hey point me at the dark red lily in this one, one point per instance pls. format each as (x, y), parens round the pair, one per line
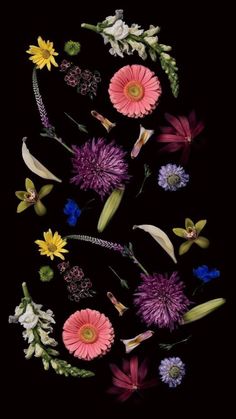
(131, 379)
(180, 134)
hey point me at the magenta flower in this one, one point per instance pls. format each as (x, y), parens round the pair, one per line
(160, 300)
(132, 379)
(99, 166)
(180, 134)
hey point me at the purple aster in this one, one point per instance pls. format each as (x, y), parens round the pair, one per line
(172, 371)
(99, 166)
(160, 300)
(172, 177)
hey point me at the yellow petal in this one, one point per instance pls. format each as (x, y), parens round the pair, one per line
(42, 43)
(49, 65)
(52, 59)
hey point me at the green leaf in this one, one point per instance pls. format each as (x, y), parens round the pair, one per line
(202, 310)
(200, 225)
(29, 184)
(23, 206)
(181, 232)
(39, 208)
(111, 206)
(202, 242)
(188, 223)
(20, 194)
(184, 247)
(45, 190)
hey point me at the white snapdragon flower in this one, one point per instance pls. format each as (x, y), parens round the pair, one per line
(45, 339)
(29, 319)
(110, 20)
(139, 47)
(153, 30)
(151, 40)
(135, 30)
(116, 49)
(38, 350)
(29, 351)
(28, 334)
(119, 30)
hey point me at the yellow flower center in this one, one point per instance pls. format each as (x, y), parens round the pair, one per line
(174, 371)
(134, 91)
(45, 53)
(52, 247)
(88, 333)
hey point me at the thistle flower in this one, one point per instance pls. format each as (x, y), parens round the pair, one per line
(32, 197)
(172, 177)
(191, 234)
(180, 134)
(99, 166)
(126, 40)
(160, 300)
(172, 371)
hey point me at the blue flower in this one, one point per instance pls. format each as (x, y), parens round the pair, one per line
(73, 211)
(172, 177)
(205, 274)
(172, 371)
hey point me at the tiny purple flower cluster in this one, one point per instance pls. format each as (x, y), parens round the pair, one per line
(78, 286)
(85, 81)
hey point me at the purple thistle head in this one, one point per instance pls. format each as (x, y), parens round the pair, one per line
(160, 300)
(99, 166)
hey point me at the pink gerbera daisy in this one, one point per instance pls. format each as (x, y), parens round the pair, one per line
(88, 334)
(134, 91)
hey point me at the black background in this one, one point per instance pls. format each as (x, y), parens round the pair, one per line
(200, 40)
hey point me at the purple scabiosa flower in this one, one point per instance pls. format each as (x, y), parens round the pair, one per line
(172, 177)
(205, 274)
(99, 166)
(160, 300)
(172, 371)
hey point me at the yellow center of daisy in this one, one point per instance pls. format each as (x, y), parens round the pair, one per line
(88, 333)
(134, 90)
(52, 247)
(45, 54)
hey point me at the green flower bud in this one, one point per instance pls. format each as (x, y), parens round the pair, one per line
(46, 273)
(72, 47)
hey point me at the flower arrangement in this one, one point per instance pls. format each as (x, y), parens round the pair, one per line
(102, 167)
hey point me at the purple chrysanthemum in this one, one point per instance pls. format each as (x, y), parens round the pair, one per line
(172, 177)
(99, 166)
(172, 371)
(160, 300)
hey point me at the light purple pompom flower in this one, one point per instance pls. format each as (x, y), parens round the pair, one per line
(99, 166)
(172, 177)
(172, 371)
(161, 300)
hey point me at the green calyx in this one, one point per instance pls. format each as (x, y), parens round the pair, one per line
(46, 273)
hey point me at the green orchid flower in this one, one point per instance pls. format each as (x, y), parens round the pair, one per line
(32, 197)
(191, 234)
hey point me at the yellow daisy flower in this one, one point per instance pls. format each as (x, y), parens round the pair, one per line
(52, 246)
(43, 54)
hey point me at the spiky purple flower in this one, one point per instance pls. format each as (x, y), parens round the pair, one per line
(172, 371)
(99, 166)
(160, 300)
(39, 101)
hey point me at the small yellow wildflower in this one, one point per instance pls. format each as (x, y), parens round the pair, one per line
(43, 54)
(52, 246)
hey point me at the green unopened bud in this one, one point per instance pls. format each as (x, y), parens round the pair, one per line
(46, 273)
(45, 364)
(202, 310)
(72, 47)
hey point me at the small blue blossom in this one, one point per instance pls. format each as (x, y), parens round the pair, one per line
(73, 211)
(172, 371)
(172, 177)
(205, 274)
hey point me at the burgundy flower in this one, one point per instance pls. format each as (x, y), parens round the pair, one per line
(99, 166)
(132, 379)
(180, 134)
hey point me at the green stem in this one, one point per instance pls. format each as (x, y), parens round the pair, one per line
(136, 261)
(25, 291)
(90, 27)
(59, 140)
